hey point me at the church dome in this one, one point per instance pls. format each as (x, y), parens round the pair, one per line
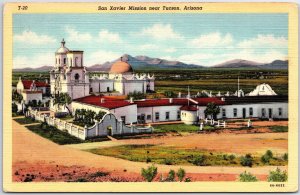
(121, 67)
(62, 49)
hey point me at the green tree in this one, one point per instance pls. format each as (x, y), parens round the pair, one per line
(285, 156)
(16, 96)
(267, 157)
(247, 160)
(99, 115)
(212, 109)
(14, 108)
(180, 174)
(247, 177)
(149, 173)
(277, 176)
(170, 94)
(63, 99)
(136, 95)
(171, 176)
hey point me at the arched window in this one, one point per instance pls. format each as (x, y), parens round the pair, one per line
(64, 60)
(76, 76)
(76, 61)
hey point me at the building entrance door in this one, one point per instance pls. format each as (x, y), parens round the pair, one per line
(244, 112)
(270, 113)
(107, 89)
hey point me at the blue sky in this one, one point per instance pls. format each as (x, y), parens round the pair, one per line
(204, 39)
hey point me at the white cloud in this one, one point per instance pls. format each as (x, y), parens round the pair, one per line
(148, 47)
(76, 36)
(33, 38)
(34, 61)
(170, 50)
(195, 58)
(212, 40)
(100, 57)
(106, 36)
(264, 41)
(161, 32)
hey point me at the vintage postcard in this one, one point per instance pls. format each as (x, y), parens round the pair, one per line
(150, 97)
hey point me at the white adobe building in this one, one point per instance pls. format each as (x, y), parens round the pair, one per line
(32, 90)
(262, 89)
(69, 75)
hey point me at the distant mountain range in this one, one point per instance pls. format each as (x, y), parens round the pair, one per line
(145, 62)
(239, 63)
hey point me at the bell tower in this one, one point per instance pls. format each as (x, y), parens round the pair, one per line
(69, 75)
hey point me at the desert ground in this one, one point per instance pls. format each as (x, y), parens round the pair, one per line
(38, 159)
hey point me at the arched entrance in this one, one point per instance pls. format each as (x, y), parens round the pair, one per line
(109, 130)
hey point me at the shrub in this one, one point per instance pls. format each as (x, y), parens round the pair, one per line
(247, 160)
(148, 160)
(168, 161)
(171, 176)
(100, 174)
(199, 160)
(247, 177)
(14, 108)
(285, 157)
(231, 157)
(187, 179)
(180, 174)
(267, 157)
(149, 173)
(277, 176)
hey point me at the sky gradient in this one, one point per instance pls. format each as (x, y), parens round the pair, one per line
(203, 39)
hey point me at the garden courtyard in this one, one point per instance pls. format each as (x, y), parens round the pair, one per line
(216, 154)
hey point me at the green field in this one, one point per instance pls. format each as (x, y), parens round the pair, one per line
(177, 156)
(178, 128)
(209, 79)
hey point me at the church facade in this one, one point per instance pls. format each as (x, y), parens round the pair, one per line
(69, 75)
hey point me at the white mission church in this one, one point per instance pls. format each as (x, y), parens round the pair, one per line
(69, 75)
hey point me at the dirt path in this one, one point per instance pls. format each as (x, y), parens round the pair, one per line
(31, 148)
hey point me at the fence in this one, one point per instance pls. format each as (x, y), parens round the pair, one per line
(108, 125)
(218, 123)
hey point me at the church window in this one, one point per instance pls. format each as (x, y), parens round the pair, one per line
(280, 111)
(65, 60)
(167, 115)
(223, 112)
(235, 112)
(91, 90)
(65, 77)
(148, 117)
(76, 61)
(250, 111)
(76, 76)
(178, 114)
(157, 116)
(263, 112)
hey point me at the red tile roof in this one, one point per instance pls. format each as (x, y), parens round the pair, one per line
(189, 108)
(27, 84)
(31, 92)
(177, 101)
(111, 102)
(108, 103)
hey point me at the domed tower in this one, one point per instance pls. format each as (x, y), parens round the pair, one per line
(61, 55)
(69, 75)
